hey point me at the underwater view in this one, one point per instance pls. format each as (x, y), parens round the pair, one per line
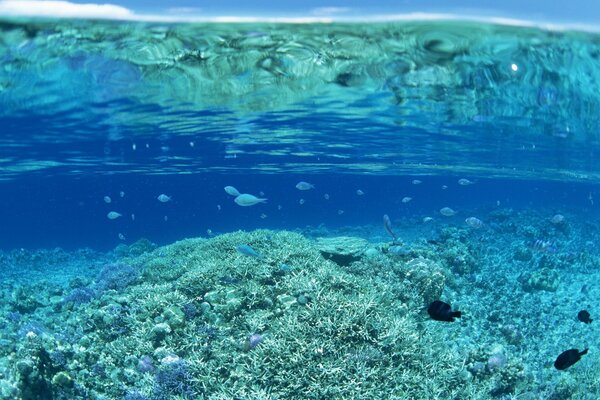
(401, 209)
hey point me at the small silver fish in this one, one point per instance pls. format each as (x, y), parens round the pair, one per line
(304, 186)
(247, 200)
(230, 190)
(113, 215)
(416, 182)
(447, 212)
(163, 198)
(465, 182)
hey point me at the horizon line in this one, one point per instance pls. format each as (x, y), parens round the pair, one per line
(60, 9)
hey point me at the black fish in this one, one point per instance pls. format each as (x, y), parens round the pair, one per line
(440, 311)
(584, 317)
(568, 358)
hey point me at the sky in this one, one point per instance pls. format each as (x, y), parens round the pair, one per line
(582, 12)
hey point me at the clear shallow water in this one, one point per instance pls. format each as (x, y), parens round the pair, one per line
(400, 98)
(93, 109)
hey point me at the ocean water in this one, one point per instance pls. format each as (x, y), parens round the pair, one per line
(306, 295)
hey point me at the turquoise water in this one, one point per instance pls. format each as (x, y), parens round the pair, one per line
(130, 273)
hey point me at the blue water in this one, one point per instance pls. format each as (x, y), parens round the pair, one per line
(70, 213)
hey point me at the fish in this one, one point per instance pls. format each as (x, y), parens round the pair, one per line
(230, 190)
(427, 219)
(247, 251)
(584, 316)
(107, 199)
(406, 199)
(359, 192)
(387, 224)
(416, 182)
(568, 358)
(121, 236)
(122, 194)
(465, 182)
(440, 311)
(301, 201)
(113, 215)
(447, 212)
(163, 198)
(557, 219)
(246, 200)
(543, 246)
(474, 223)
(304, 186)
(326, 196)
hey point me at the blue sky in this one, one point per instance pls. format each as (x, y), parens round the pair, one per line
(585, 12)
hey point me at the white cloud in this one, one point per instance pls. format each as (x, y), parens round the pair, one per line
(184, 10)
(330, 10)
(63, 9)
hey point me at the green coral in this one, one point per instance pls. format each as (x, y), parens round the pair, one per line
(544, 279)
(326, 330)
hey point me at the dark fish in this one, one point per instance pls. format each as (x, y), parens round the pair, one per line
(387, 224)
(568, 358)
(440, 311)
(584, 317)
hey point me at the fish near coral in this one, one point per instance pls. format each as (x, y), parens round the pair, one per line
(440, 311)
(584, 316)
(568, 358)
(474, 223)
(387, 224)
(247, 251)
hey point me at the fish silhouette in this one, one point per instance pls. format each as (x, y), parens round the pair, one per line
(440, 311)
(387, 224)
(568, 358)
(584, 316)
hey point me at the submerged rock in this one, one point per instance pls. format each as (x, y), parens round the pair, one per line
(342, 250)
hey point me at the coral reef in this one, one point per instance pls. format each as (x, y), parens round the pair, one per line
(203, 320)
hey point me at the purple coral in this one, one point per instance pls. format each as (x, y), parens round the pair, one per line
(116, 277)
(79, 296)
(145, 364)
(173, 379)
(496, 362)
(254, 340)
